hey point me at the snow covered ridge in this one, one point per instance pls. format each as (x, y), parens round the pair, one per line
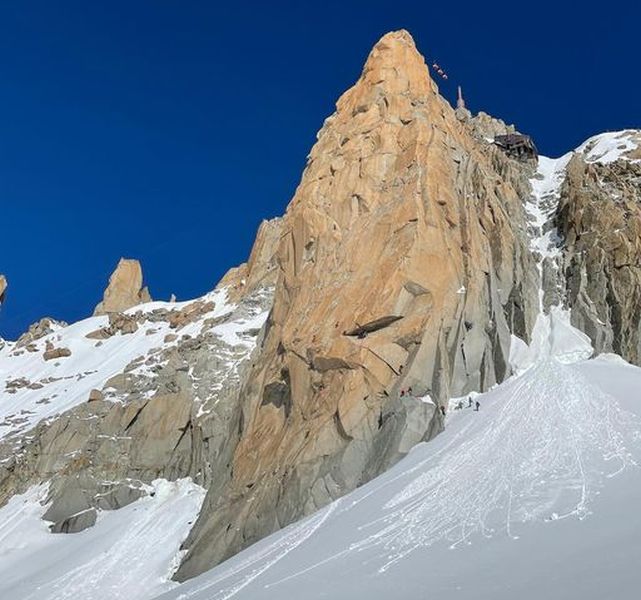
(130, 553)
(604, 148)
(609, 147)
(57, 372)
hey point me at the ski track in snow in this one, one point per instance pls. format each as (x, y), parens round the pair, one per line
(229, 581)
(542, 454)
(129, 553)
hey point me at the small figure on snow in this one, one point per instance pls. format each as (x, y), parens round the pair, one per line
(478, 405)
(442, 409)
(469, 402)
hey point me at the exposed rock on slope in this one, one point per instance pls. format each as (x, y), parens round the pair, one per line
(261, 270)
(401, 212)
(125, 288)
(3, 288)
(37, 331)
(160, 400)
(599, 221)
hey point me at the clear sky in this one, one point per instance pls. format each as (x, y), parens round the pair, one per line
(166, 130)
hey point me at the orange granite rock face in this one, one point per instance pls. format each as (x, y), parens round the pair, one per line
(408, 232)
(125, 288)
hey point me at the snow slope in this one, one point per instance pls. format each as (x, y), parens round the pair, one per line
(129, 553)
(609, 147)
(536, 495)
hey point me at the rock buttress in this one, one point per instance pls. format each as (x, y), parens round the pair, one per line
(599, 219)
(403, 218)
(125, 288)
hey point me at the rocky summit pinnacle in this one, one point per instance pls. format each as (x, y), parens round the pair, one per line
(402, 265)
(125, 288)
(3, 287)
(395, 64)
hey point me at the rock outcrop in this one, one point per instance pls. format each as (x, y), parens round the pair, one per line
(38, 330)
(261, 270)
(3, 287)
(125, 288)
(402, 218)
(599, 221)
(171, 412)
(52, 352)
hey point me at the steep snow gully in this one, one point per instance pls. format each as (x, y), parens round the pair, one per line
(535, 495)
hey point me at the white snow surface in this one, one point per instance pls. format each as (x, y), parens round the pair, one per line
(609, 147)
(130, 553)
(546, 188)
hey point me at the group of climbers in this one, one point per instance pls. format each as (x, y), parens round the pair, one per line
(475, 404)
(459, 406)
(470, 402)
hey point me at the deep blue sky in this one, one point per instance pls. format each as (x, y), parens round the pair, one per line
(166, 130)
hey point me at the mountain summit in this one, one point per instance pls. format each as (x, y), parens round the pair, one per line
(428, 255)
(402, 265)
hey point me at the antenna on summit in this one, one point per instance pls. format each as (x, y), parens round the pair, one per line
(462, 113)
(460, 103)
